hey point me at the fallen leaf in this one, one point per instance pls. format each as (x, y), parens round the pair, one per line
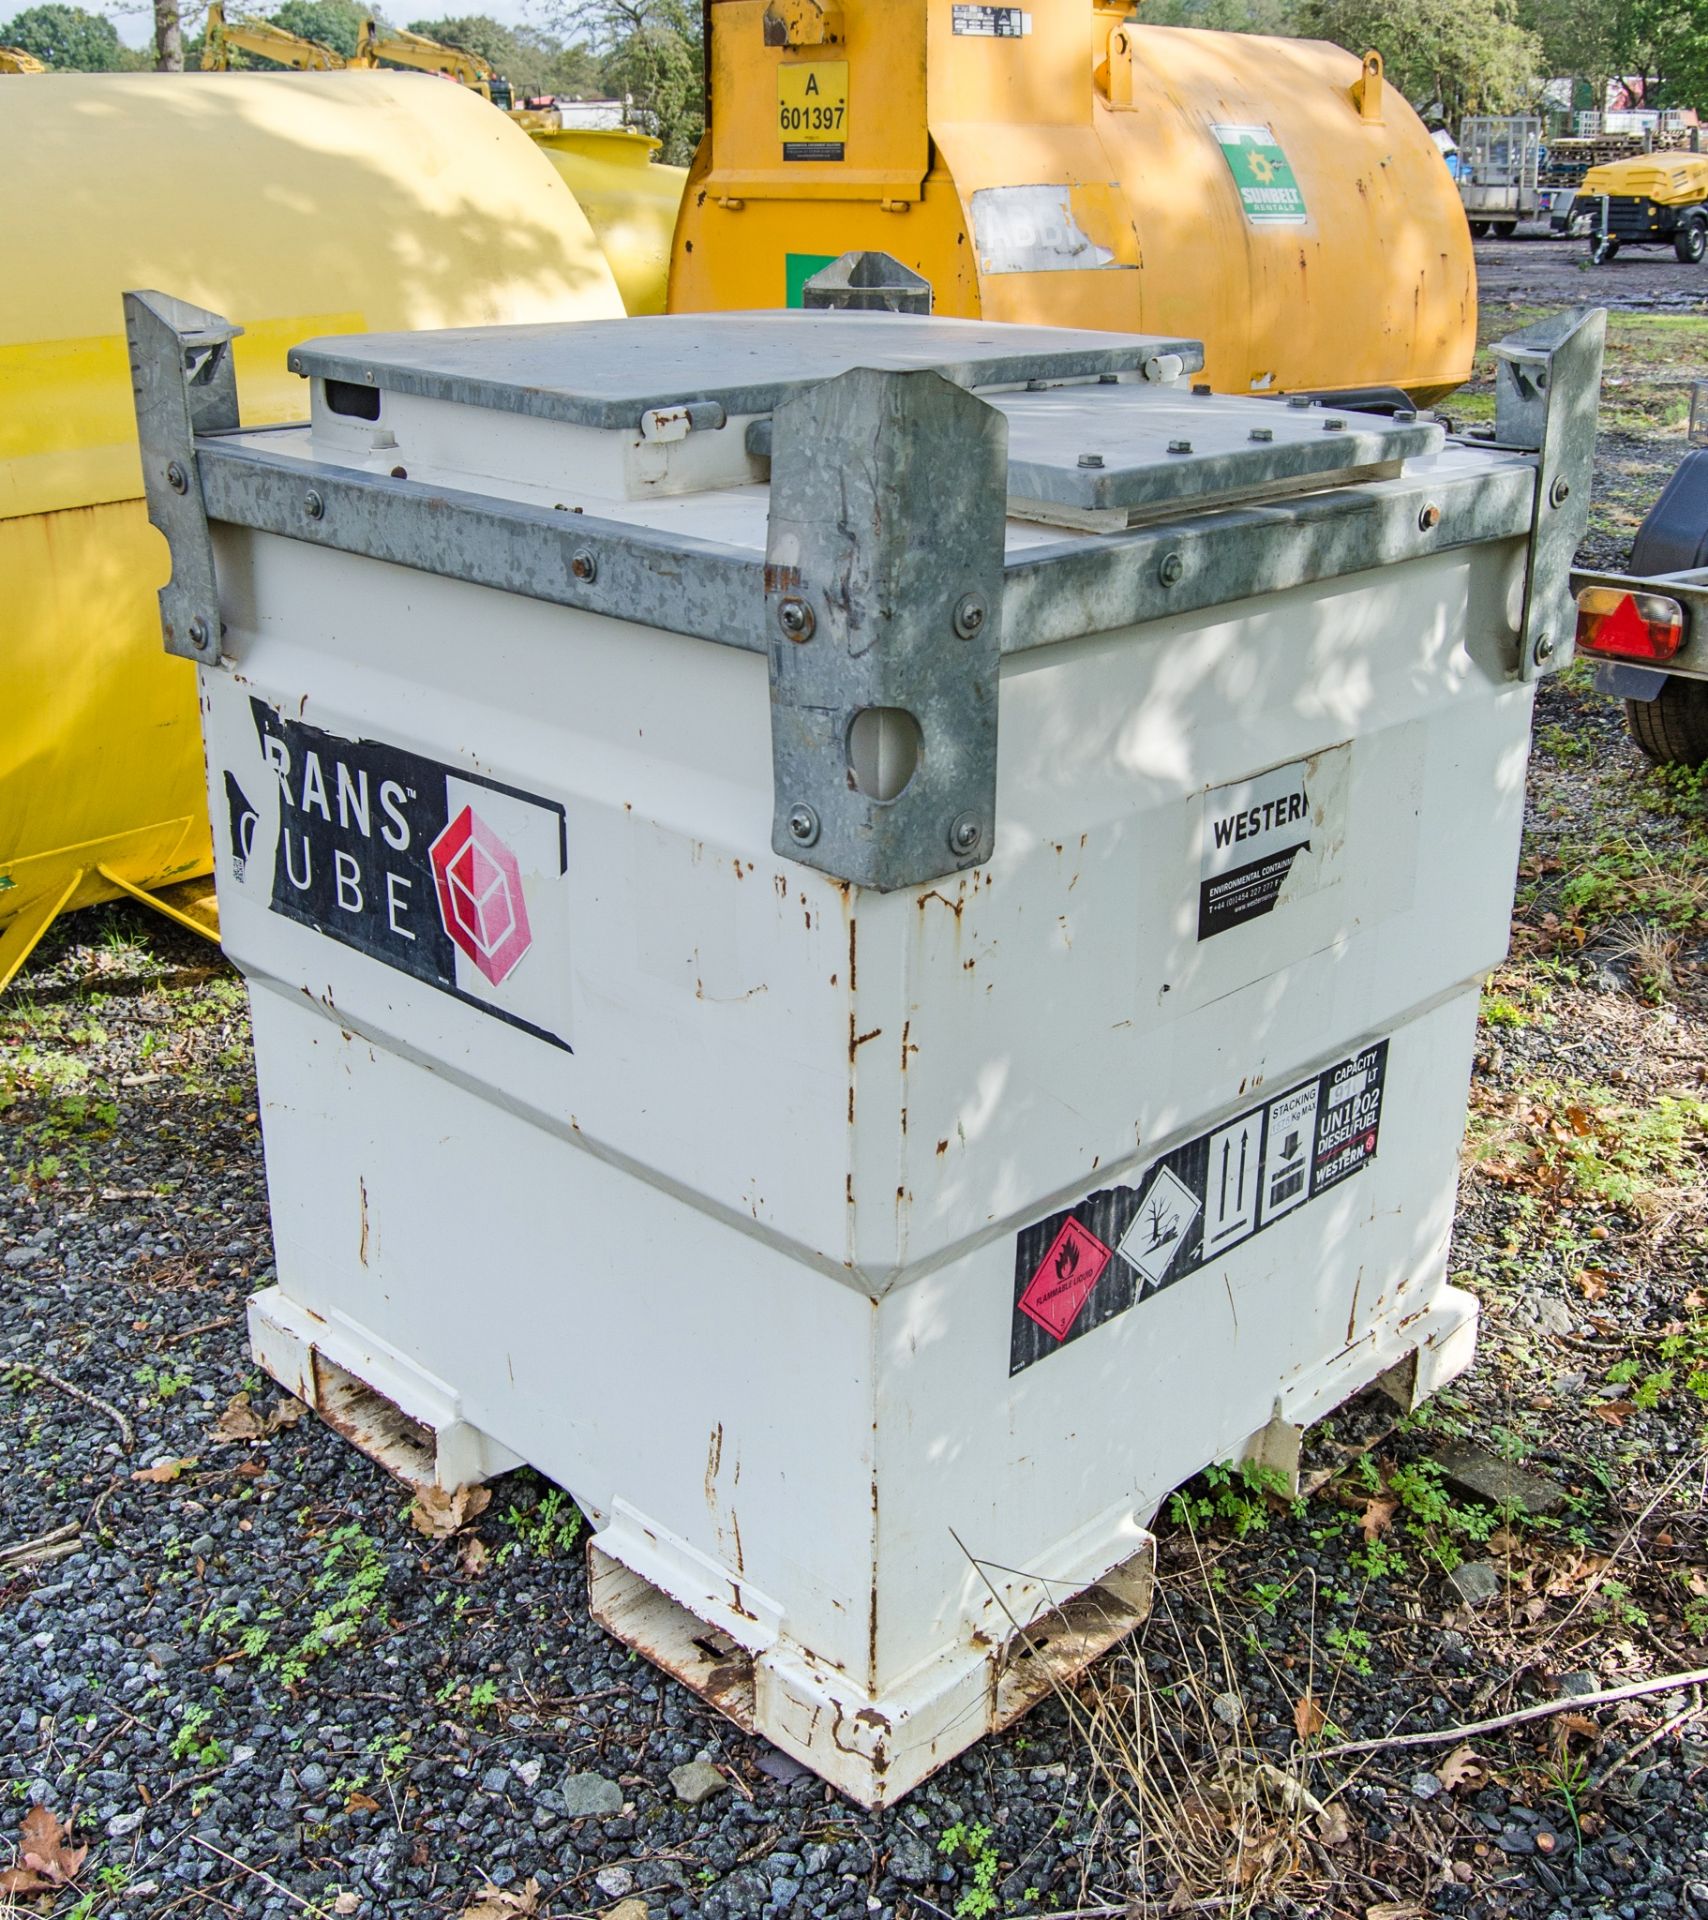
(1611, 1411)
(1461, 1768)
(1591, 1282)
(630, 1909)
(361, 1803)
(163, 1472)
(503, 1903)
(1394, 1910)
(1378, 1516)
(249, 1469)
(45, 1861)
(347, 1902)
(241, 1424)
(1333, 1827)
(472, 1555)
(1308, 1718)
(439, 1514)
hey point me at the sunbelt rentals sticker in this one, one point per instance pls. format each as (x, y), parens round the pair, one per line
(1269, 190)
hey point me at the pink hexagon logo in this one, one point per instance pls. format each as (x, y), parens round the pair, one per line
(480, 895)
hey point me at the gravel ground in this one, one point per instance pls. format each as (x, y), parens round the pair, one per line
(247, 1684)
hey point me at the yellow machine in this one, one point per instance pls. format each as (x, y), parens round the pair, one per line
(261, 36)
(1649, 200)
(405, 49)
(16, 60)
(300, 204)
(1064, 165)
(630, 202)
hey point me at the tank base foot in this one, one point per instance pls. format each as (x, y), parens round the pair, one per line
(21, 935)
(189, 904)
(383, 1404)
(874, 1747)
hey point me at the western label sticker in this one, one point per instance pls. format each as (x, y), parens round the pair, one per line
(1205, 1199)
(1269, 839)
(451, 878)
(1269, 191)
(812, 109)
(991, 23)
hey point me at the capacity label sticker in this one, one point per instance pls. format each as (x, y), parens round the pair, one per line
(812, 109)
(1269, 190)
(450, 878)
(991, 23)
(1077, 1269)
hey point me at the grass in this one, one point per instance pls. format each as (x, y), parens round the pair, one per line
(1571, 1143)
(1647, 370)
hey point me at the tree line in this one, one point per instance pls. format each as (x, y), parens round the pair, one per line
(645, 52)
(1448, 57)
(1455, 57)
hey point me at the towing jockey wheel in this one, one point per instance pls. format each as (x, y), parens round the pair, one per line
(1602, 248)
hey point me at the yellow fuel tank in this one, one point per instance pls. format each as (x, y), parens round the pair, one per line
(298, 204)
(1063, 164)
(630, 202)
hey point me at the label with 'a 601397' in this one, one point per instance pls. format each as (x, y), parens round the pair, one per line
(812, 109)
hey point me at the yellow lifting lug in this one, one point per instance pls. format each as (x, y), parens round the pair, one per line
(1366, 90)
(802, 23)
(1118, 72)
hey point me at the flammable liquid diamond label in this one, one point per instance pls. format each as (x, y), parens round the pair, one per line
(1064, 1279)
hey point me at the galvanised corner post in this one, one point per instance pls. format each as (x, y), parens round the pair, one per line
(883, 590)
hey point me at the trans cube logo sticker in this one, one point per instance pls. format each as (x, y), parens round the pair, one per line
(480, 895)
(1193, 1206)
(453, 879)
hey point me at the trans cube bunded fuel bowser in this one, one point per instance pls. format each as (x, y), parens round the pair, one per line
(864, 935)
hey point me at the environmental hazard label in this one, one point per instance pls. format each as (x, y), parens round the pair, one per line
(1082, 1267)
(1269, 191)
(435, 871)
(1256, 834)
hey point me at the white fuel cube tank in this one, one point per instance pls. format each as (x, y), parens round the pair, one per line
(864, 936)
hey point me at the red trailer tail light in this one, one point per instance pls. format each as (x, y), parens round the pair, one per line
(1629, 626)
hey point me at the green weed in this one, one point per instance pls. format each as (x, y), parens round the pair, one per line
(343, 1593)
(1440, 1527)
(973, 1844)
(163, 1382)
(1236, 1496)
(1352, 1646)
(193, 1742)
(551, 1526)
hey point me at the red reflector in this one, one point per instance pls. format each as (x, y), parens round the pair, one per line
(1629, 626)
